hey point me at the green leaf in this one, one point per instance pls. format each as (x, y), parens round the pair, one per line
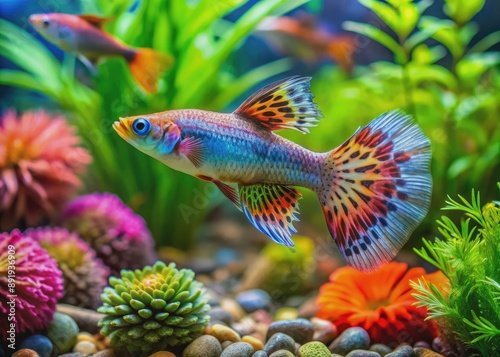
(459, 166)
(20, 79)
(423, 54)
(385, 12)
(432, 74)
(486, 42)
(428, 27)
(462, 11)
(443, 31)
(378, 35)
(409, 15)
(474, 65)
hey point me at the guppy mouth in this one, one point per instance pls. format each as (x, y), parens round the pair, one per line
(121, 128)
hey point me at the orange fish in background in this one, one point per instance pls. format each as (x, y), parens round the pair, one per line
(82, 36)
(301, 38)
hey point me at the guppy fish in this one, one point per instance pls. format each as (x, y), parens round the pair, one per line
(374, 189)
(82, 36)
(302, 38)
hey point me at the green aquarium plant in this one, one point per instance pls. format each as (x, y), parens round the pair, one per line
(201, 42)
(469, 256)
(441, 73)
(153, 308)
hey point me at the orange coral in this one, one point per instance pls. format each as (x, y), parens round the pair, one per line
(39, 163)
(380, 302)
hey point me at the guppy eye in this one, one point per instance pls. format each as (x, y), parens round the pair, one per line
(46, 23)
(141, 126)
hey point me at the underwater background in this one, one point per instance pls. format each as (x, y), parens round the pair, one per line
(164, 263)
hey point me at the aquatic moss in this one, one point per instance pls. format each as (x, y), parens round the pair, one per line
(153, 308)
(469, 255)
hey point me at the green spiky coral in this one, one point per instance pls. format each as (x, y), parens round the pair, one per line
(152, 308)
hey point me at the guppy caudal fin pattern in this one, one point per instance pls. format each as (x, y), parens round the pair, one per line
(376, 189)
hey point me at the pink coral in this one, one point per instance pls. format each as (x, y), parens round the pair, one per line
(85, 276)
(118, 235)
(39, 163)
(30, 290)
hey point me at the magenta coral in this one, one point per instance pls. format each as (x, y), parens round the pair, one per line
(118, 235)
(85, 276)
(39, 163)
(38, 284)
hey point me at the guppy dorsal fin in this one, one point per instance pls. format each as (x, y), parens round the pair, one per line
(272, 210)
(285, 104)
(94, 20)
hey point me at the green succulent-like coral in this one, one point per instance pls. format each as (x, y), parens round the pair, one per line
(152, 308)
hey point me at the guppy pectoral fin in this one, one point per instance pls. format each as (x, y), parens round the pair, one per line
(193, 149)
(272, 210)
(286, 104)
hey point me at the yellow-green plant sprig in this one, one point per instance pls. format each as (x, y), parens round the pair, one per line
(150, 309)
(470, 259)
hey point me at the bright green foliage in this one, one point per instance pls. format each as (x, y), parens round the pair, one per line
(469, 256)
(456, 104)
(201, 42)
(153, 308)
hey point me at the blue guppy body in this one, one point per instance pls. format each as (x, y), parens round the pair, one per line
(374, 189)
(239, 151)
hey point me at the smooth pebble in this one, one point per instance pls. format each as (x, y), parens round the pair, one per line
(279, 341)
(38, 343)
(86, 347)
(232, 307)
(109, 352)
(219, 314)
(254, 342)
(425, 352)
(225, 344)
(286, 313)
(260, 354)
(238, 349)
(314, 349)
(380, 348)
(324, 330)
(253, 300)
(362, 353)
(162, 354)
(402, 351)
(85, 336)
(282, 353)
(352, 338)
(301, 330)
(62, 331)
(224, 333)
(25, 352)
(203, 346)
(422, 344)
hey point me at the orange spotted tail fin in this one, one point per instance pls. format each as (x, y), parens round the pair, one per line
(147, 67)
(377, 189)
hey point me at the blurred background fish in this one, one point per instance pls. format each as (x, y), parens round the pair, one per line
(302, 38)
(82, 36)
